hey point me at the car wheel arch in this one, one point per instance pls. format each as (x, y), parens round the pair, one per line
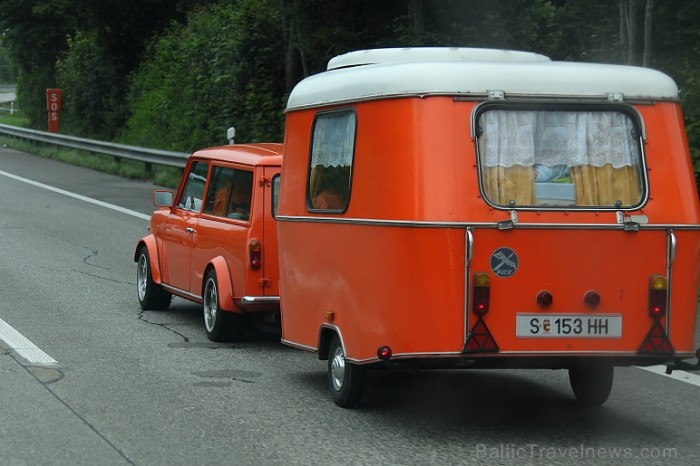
(224, 282)
(150, 243)
(325, 337)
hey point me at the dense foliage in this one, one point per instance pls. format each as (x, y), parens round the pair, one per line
(175, 74)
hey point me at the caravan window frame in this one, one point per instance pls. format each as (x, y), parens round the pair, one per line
(314, 180)
(523, 175)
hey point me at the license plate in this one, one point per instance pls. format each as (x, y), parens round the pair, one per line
(568, 326)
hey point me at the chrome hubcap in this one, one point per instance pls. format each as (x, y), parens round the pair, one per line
(211, 305)
(142, 276)
(338, 369)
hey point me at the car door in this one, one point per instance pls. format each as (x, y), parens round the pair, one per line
(222, 229)
(180, 229)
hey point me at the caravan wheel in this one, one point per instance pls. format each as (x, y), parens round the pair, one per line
(591, 382)
(346, 380)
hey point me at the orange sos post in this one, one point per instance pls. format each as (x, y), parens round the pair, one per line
(53, 107)
(446, 208)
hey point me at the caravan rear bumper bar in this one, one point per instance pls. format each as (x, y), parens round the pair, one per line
(684, 366)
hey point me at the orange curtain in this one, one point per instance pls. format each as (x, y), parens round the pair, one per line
(604, 186)
(505, 184)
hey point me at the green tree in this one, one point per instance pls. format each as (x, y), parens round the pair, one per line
(222, 68)
(8, 71)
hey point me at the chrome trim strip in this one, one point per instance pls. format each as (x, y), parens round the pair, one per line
(260, 299)
(670, 259)
(183, 293)
(519, 354)
(298, 346)
(526, 354)
(469, 251)
(494, 225)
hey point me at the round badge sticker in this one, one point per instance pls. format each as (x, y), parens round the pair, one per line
(504, 262)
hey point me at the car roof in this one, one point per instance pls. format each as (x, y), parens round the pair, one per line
(472, 73)
(258, 154)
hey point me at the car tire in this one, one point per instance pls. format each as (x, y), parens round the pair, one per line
(345, 380)
(220, 325)
(151, 295)
(592, 383)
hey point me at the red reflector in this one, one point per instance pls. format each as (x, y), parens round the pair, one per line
(545, 298)
(656, 341)
(254, 251)
(591, 299)
(384, 352)
(480, 339)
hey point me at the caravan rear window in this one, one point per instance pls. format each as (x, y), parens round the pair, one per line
(560, 157)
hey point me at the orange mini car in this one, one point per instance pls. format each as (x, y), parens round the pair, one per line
(215, 241)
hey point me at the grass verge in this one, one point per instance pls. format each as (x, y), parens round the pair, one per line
(168, 177)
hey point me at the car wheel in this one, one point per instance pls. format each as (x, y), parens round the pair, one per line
(151, 295)
(219, 324)
(346, 380)
(592, 383)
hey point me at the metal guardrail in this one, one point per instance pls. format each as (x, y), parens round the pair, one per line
(142, 154)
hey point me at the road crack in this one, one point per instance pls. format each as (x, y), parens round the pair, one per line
(142, 318)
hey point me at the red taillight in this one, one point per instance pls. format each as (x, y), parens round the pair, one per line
(545, 298)
(591, 299)
(658, 294)
(254, 252)
(481, 293)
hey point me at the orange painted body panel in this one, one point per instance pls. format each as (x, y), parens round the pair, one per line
(393, 268)
(190, 242)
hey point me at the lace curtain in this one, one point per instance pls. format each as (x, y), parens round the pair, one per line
(334, 138)
(513, 137)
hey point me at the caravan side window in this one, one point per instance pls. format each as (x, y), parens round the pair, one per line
(332, 151)
(576, 157)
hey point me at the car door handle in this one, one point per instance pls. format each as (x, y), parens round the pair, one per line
(189, 230)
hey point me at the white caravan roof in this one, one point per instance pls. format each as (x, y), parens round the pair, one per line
(470, 72)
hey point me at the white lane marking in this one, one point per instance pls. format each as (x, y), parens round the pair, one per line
(77, 196)
(17, 342)
(24, 348)
(683, 376)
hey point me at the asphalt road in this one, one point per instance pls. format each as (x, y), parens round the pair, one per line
(148, 388)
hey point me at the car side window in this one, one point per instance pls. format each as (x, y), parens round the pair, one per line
(193, 191)
(230, 193)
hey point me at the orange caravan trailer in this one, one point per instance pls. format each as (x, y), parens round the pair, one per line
(476, 208)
